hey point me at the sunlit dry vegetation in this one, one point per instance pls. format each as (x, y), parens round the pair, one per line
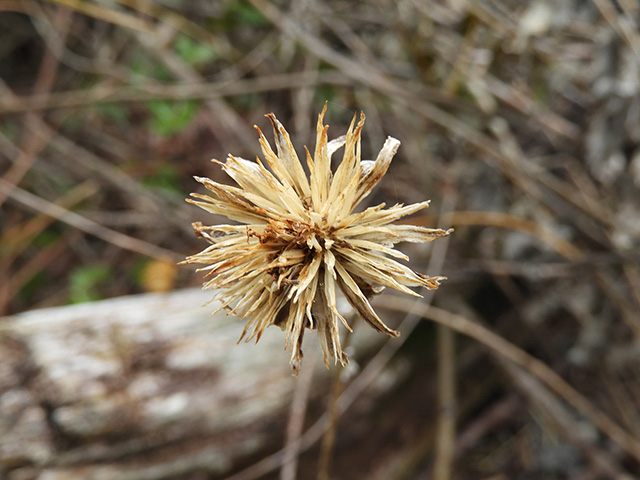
(519, 120)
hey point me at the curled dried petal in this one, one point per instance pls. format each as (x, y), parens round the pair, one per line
(302, 241)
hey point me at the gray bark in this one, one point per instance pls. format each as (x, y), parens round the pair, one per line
(141, 387)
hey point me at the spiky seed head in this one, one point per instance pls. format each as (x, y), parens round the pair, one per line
(298, 238)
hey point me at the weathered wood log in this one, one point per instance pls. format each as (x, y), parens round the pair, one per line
(141, 387)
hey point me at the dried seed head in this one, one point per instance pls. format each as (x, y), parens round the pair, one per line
(299, 238)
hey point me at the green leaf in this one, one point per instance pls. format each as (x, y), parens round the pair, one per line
(47, 238)
(245, 13)
(143, 68)
(166, 177)
(134, 274)
(33, 285)
(169, 118)
(192, 52)
(85, 282)
(10, 129)
(114, 112)
(238, 14)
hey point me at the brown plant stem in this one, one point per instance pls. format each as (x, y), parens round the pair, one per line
(36, 139)
(296, 420)
(445, 447)
(534, 366)
(88, 226)
(329, 437)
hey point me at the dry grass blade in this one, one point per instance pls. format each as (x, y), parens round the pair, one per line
(512, 222)
(295, 426)
(623, 26)
(446, 436)
(78, 221)
(536, 367)
(15, 240)
(539, 394)
(37, 138)
(105, 14)
(527, 113)
(106, 94)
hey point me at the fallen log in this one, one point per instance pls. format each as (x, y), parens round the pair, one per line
(141, 387)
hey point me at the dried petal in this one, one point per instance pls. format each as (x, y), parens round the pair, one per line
(301, 239)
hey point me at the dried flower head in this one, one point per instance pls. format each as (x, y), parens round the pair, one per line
(300, 238)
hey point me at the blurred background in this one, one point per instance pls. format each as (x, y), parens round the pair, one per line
(519, 120)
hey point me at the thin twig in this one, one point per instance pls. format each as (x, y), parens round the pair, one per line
(567, 427)
(513, 222)
(626, 31)
(421, 101)
(35, 139)
(445, 448)
(106, 14)
(223, 120)
(446, 437)
(296, 419)
(104, 93)
(15, 240)
(329, 437)
(88, 226)
(365, 378)
(535, 366)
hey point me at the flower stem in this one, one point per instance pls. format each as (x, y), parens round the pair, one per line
(329, 437)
